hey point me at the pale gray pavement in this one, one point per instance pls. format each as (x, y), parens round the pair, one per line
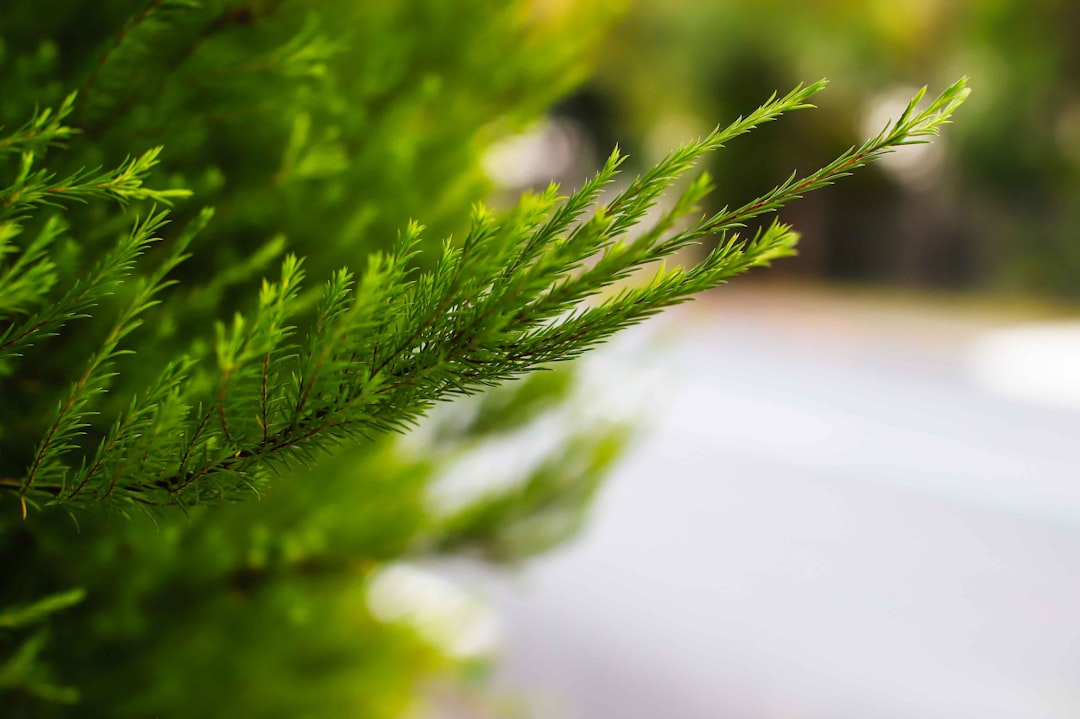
(829, 518)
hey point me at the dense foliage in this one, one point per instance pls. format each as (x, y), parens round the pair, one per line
(159, 159)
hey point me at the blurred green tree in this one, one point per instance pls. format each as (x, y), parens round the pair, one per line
(145, 370)
(993, 208)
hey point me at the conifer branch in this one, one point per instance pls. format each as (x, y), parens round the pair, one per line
(518, 294)
(124, 184)
(46, 129)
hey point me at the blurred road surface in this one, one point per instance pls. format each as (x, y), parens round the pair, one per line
(832, 515)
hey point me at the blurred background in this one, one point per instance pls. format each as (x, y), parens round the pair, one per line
(856, 488)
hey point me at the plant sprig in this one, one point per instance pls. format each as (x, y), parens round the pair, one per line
(542, 284)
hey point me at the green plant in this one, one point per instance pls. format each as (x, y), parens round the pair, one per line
(142, 373)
